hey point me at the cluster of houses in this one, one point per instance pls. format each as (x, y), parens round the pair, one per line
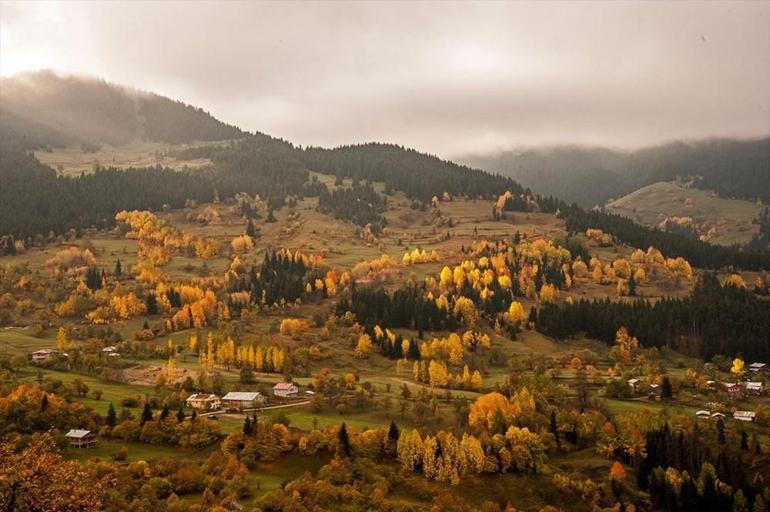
(46, 354)
(240, 399)
(738, 415)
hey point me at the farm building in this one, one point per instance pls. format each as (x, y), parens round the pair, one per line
(81, 438)
(44, 354)
(242, 399)
(744, 415)
(754, 388)
(757, 367)
(204, 402)
(634, 384)
(285, 390)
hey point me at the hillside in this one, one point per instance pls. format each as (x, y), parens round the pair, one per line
(593, 176)
(714, 219)
(45, 109)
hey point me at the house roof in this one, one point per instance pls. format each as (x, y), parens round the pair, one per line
(111, 348)
(284, 385)
(757, 365)
(753, 385)
(744, 414)
(703, 413)
(717, 415)
(201, 396)
(46, 351)
(78, 434)
(242, 395)
(633, 381)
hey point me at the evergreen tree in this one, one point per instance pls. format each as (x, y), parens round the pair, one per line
(554, 429)
(666, 391)
(118, 268)
(164, 412)
(44, 402)
(250, 229)
(393, 433)
(146, 414)
(193, 415)
(632, 286)
(152, 304)
(180, 415)
(247, 426)
(112, 418)
(720, 431)
(744, 441)
(344, 441)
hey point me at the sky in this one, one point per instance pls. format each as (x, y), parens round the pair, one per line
(446, 78)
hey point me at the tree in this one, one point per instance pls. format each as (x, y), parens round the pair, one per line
(164, 412)
(720, 431)
(246, 375)
(180, 415)
(666, 390)
(118, 268)
(111, 419)
(344, 448)
(738, 368)
(146, 414)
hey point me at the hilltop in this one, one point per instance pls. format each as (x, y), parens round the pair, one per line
(592, 176)
(41, 109)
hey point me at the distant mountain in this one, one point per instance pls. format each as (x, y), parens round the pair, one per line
(46, 109)
(593, 176)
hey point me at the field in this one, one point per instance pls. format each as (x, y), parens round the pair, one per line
(717, 220)
(72, 161)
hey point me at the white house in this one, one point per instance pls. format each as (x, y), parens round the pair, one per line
(44, 354)
(703, 415)
(204, 402)
(634, 383)
(744, 415)
(242, 399)
(285, 389)
(757, 367)
(718, 415)
(80, 438)
(754, 388)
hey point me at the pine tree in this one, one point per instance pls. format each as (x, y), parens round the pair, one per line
(118, 268)
(146, 414)
(151, 304)
(193, 415)
(720, 431)
(666, 391)
(344, 441)
(251, 230)
(632, 286)
(44, 402)
(247, 426)
(393, 433)
(554, 428)
(112, 418)
(744, 441)
(164, 412)
(180, 415)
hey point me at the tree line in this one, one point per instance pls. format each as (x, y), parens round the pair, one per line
(713, 320)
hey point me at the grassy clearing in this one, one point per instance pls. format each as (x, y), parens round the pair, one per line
(721, 221)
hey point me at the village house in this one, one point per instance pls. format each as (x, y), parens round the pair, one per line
(734, 389)
(203, 402)
(110, 351)
(44, 354)
(634, 384)
(81, 438)
(242, 399)
(718, 415)
(703, 415)
(753, 388)
(757, 367)
(744, 415)
(285, 390)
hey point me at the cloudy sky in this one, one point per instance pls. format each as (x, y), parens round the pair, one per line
(448, 78)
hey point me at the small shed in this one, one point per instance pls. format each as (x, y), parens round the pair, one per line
(744, 415)
(242, 399)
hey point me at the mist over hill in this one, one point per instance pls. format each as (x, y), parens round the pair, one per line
(46, 109)
(593, 176)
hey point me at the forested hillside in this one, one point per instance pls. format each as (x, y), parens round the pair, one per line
(45, 109)
(592, 176)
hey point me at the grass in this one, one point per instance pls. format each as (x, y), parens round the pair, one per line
(106, 447)
(71, 161)
(721, 221)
